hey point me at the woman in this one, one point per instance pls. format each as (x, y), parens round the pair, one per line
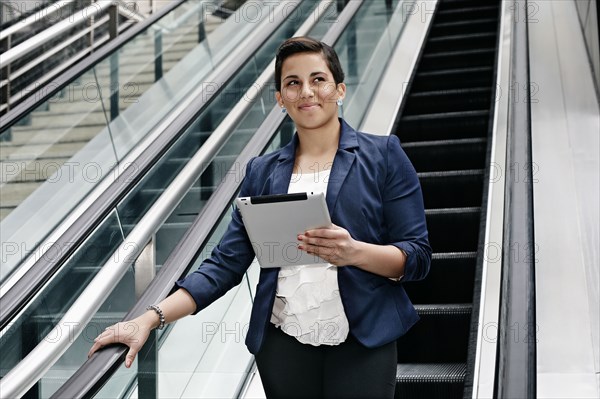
(327, 330)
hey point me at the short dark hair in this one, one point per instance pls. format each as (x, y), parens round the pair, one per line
(305, 44)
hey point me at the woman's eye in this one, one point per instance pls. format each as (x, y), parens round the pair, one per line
(319, 79)
(292, 82)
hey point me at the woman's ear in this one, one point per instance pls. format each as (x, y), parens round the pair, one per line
(341, 88)
(279, 98)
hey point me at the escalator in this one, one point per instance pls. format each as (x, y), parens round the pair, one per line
(445, 128)
(446, 143)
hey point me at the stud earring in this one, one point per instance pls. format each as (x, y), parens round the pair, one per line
(283, 110)
(340, 102)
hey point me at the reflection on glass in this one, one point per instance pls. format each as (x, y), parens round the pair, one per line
(45, 156)
(59, 152)
(363, 49)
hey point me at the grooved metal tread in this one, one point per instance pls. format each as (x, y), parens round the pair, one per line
(444, 308)
(469, 90)
(443, 211)
(459, 142)
(463, 23)
(451, 173)
(450, 71)
(478, 51)
(443, 115)
(431, 372)
(453, 255)
(461, 36)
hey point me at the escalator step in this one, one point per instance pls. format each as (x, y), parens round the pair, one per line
(453, 229)
(456, 78)
(454, 269)
(452, 189)
(457, 59)
(431, 381)
(479, 11)
(442, 155)
(452, 100)
(461, 42)
(444, 126)
(462, 27)
(441, 335)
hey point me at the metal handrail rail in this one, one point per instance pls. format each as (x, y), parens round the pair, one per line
(50, 89)
(94, 373)
(130, 13)
(46, 353)
(16, 14)
(61, 29)
(516, 372)
(34, 18)
(49, 53)
(72, 59)
(54, 7)
(52, 32)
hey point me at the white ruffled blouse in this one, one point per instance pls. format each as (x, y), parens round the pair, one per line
(307, 302)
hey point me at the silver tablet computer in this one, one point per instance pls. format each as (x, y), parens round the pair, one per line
(273, 223)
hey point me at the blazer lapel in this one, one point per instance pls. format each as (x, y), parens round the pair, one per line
(342, 163)
(282, 173)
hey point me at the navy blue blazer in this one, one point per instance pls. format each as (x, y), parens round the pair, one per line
(373, 192)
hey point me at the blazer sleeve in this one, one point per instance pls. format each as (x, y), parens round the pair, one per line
(404, 212)
(228, 262)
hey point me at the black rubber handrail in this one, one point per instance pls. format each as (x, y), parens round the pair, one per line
(40, 272)
(48, 90)
(96, 371)
(516, 358)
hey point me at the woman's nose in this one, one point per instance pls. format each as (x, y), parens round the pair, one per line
(307, 91)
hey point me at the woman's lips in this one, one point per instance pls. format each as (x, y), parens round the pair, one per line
(308, 107)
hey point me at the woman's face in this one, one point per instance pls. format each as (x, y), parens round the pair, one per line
(308, 90)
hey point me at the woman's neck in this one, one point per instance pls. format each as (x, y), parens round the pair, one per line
(316, 148)
(315, 143)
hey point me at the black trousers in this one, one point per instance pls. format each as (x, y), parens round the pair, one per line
(291, 369)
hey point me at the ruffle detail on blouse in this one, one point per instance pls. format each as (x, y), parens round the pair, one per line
(308, 305)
